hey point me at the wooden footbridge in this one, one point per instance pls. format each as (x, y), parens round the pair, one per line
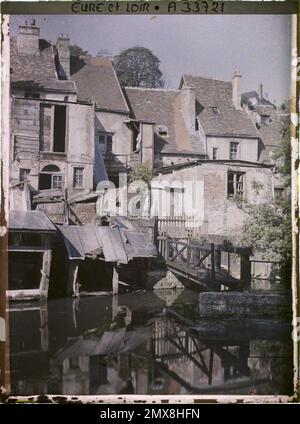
(200, 262)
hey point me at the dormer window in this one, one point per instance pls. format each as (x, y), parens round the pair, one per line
(162, 131)
(265, 119)
(215, 110)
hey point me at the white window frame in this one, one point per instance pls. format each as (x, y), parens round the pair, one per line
(105, 135)
(80, 178)
(236, 144)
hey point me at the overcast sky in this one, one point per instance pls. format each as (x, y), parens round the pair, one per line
(210, 46)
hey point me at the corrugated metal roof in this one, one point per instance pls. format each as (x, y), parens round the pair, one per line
(117, 243)
(31, 221)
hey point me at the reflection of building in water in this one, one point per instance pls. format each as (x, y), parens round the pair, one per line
(29, 345)
(105, 347)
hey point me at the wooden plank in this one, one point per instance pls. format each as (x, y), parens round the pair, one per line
(115, 280)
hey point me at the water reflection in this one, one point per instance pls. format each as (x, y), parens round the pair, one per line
(144, 343)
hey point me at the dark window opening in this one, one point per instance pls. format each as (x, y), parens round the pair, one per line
(136, 138)
(215, 153)
(50, 178)
(30, 239)
(59, 139)
(278, 192)
(31, 95)
(265, 119)
(162, 131)
(215, 110)
(24, 270)
(24, 174)
(196, 125)
(235, 184)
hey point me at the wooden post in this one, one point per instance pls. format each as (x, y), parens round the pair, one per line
(46, 266)
(44, 327)
(115, 280)
(245, 275)
(72, 278)
(218, 260)
(212, 262)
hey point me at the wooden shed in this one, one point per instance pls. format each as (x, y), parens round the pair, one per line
(29, 254)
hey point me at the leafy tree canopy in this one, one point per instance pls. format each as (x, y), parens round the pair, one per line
(77, 51)
(268, 226)
(138, 67)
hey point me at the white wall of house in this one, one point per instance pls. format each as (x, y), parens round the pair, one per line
(221, 213)
(113, 123)
(247, 148)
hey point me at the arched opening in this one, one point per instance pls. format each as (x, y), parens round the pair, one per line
(50, 177)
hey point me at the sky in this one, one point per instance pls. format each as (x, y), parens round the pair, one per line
(259, 46)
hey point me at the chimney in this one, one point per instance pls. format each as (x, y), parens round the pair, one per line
(28, 38)
(260, 91)
(236, 90)
(63, 56)
(188, 107)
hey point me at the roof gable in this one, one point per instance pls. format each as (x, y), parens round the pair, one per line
(211, 94)
(95, 79)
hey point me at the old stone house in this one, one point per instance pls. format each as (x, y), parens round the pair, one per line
(73, 126)
(203, 132)
(68, 114)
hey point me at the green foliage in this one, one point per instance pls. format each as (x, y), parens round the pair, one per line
(141, 172)
(138, 67)
(77, 51)
(268, 226)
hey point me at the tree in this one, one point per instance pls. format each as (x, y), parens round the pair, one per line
(138, 67)
(269, 226)
(141, 172)
(77, 51)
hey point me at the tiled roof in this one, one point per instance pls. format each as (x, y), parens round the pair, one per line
(37, 70)
(96, 79)
(215, 93)
(253, 94)
(161, 107)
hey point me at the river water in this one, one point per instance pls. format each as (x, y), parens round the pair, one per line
(144, 343)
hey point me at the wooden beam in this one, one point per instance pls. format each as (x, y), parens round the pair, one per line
(46, 266)
(246, 271)
(115, 280)
(72, 278)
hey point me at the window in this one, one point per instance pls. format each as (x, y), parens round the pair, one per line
(78, 177)
(265, 119)
(233, 150)
(162, 131)
(278, 192)
(59, 136)
(215, 110)
(57, 182)
(215, 153)
(235, 184)
(31, 95)
(176, 201)
(50, 178)
(196, 125)
(24, 174)
(105, 143)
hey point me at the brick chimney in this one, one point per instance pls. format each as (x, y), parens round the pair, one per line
(188, 107)
(63, 56)
(236, 90)
(28, 38)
